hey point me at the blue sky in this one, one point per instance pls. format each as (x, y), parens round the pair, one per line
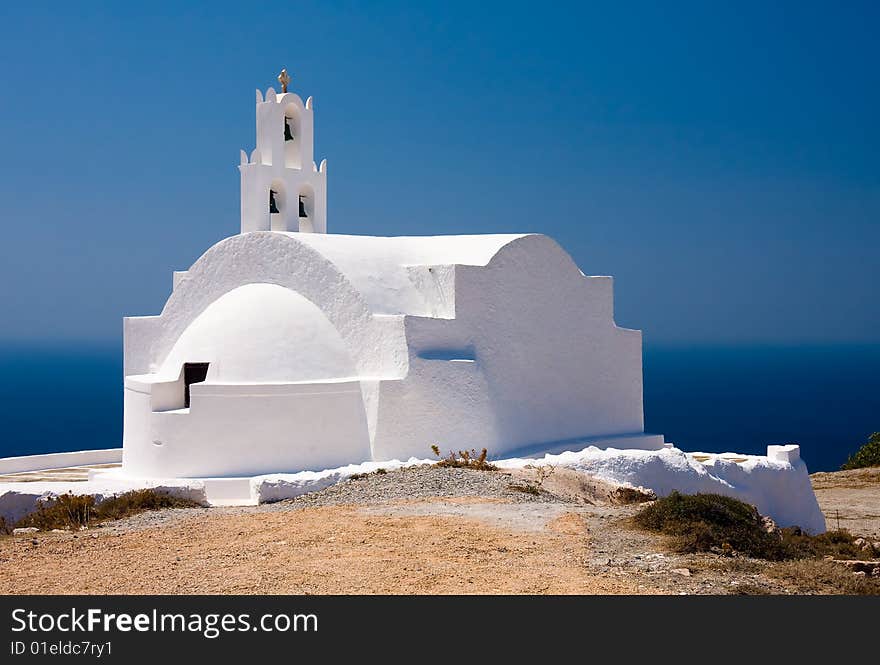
(721, 160)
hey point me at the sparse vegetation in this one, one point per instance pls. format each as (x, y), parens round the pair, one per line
(822, 576)
(5, 529)
(720, 524)
(465, 460)
(73, 511)
(524, 486)
(838, 544)
(867, 455)
(66, 511)
(536, 486)
(628, 495)
(360, 476)
(139, 501)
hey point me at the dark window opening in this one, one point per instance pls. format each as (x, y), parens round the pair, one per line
(288, 130)
(302, 207)
(273, 205)
(192, 373)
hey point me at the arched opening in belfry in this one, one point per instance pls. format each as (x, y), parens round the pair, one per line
(306, 209)
(277, 206)
(292, 130)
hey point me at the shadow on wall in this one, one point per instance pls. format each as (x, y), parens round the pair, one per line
(452, 355)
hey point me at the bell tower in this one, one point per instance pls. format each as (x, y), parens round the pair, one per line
(282, 189)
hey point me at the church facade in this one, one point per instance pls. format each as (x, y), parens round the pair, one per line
(287, 348)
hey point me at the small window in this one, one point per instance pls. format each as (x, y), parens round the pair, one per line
(192, 373)
(288, 130)
(273, 203)
(302, 206)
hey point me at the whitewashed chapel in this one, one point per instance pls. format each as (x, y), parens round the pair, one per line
(286, 348)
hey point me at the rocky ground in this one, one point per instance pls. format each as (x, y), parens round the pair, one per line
(418, 530)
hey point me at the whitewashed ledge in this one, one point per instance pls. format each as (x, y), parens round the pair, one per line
(59, 460)
(778, 484)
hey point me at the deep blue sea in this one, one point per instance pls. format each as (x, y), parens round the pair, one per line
(715, 399)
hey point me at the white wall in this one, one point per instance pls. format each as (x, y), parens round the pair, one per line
(242, 430)
(534, 357)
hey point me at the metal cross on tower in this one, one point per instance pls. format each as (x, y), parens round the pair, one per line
(284, 80)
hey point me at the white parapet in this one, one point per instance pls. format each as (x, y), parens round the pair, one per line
(789, 452)
(59, 460)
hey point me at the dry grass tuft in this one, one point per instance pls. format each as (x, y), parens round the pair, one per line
(823, 577)
(465, 460)
(628, 495)
(73, 511)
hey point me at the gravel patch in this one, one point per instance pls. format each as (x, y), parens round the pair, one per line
(418, 482)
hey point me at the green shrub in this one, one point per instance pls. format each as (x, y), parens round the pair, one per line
(73, 511)
(867, 455)
(715, 523)
(711, 522)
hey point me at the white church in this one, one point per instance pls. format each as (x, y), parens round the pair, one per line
(288, 359)
(287, 348)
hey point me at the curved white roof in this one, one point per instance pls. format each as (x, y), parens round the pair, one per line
(262, 333)
(381, 267)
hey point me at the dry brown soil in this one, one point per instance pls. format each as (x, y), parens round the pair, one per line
(574, 540)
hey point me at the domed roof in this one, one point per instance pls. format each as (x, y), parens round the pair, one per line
(262, 333)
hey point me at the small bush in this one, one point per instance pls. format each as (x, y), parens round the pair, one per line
(867, 455)
(465, 460)
(66, 511)
(715, 523)
(711, 522)
(72, 511)
(139, 501)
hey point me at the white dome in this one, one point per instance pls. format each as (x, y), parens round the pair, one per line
(262, 333)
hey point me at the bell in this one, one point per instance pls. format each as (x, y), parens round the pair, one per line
(288, 134)
(273, 207)
(302, 207)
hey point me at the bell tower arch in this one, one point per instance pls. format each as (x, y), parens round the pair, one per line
(282, 189)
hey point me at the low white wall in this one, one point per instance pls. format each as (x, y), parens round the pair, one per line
(19, 499)
(59, 460)
(245, 430)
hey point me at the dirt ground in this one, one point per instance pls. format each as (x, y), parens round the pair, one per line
(574, 540)
(853, 497)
